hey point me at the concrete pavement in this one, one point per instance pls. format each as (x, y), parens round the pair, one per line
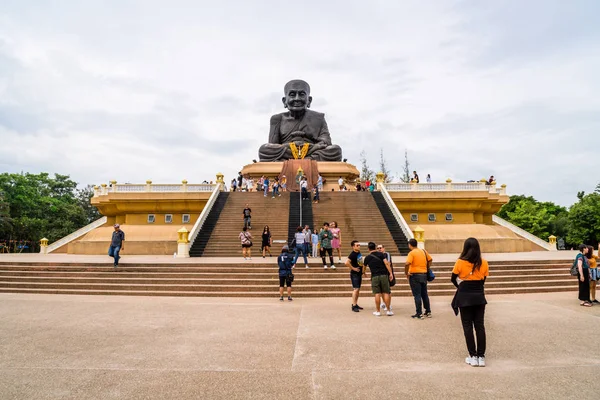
(112, 347)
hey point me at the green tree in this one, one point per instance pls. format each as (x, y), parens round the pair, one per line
(366, 173)
(387, 175)
(541, 219)
(405, 169)
(39, 206)
(84, 197)
(584, 220)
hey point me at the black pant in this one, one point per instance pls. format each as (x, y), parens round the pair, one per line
(472, 317)
(304, 194)
(584, 287)
(328, 251)
(418, 286)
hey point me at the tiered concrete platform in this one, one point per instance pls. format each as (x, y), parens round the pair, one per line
(115, 347)
(233, 277)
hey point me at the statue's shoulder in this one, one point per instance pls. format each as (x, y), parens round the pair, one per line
(315, 115)
(275, 119)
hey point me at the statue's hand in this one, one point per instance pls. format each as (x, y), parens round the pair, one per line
(297, 135)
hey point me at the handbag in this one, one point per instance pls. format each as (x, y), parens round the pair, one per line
(290, 277)
(393, 281)
(430, 274)
(249, 241)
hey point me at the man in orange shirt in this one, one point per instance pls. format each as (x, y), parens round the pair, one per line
(417, 263)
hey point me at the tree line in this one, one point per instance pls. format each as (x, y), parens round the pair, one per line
(577, 224)
(33, 206)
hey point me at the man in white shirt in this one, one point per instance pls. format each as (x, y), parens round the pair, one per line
(304, 188)
(341, 183)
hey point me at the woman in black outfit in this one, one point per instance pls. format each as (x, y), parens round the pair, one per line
(472, 270)
(583, 275)
(266, 241)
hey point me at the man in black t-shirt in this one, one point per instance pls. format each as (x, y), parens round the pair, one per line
(355, 264)
(388, 256)
(381, 275)
(247, 213)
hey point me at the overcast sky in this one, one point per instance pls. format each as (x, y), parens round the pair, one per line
(136, 90)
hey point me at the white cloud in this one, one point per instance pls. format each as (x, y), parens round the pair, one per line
(137, 90)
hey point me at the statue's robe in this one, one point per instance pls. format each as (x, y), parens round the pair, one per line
(315, 133)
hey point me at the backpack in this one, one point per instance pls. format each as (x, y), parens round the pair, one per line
(574, 269)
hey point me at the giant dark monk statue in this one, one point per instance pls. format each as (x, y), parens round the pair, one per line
(299, 132)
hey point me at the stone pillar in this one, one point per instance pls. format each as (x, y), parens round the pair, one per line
(419, 234)
(103, 189)
(448, 184)
(503, 189)
(96, 191)
(43, 246)
(183, 243)
(483, 184)
(184, 185)
(113, 186)
(148, 183)
(552, 241)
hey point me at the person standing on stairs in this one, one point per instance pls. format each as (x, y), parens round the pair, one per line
(304, 188)
(315, 243)
(355, 263)
(266, 184)
(116, 244)
(325, 238)
(266, 241)
(299, 239)
(307, 238)
(247, 213)
(276, 186)
(316, 198)
(283, 183)
(336, 243)
(320, 182)
(246, 239)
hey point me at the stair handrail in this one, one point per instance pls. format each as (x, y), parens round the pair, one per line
(301, 205)
(204, 214)
(397, 214)
(521, 232)
(77, 234)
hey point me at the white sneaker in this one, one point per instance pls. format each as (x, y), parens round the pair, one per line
(307, 267)
(383, 307)
(481, 361)
(324, 266)
(472, 361)
(333, 267)
(389, 313)
(377, 313)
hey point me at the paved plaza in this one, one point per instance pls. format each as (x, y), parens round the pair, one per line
(541, 346)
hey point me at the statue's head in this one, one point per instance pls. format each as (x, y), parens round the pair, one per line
(297, 95)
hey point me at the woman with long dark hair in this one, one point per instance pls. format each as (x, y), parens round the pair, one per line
(266, 241)
(583, 275)
(472, 270)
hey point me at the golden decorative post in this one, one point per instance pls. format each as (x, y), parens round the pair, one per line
(419, 237)
(113, 186)
(220, 180)
(503, 189)
(43, 246)
(103, 189)
(380, 179)
(448, 184)
(552, 241)
(183, 247)
(148, 183)
(184, 185)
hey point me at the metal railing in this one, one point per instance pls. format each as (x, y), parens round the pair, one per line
(77, 234)
(521, 232)
(204, 214)
(397, 214)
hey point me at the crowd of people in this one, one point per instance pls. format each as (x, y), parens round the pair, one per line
(468, 276)
(586, 265)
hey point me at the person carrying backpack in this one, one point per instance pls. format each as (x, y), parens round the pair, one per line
(286, 263)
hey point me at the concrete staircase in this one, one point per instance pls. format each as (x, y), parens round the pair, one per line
(257, 280)
(358, 217)
(224, 240)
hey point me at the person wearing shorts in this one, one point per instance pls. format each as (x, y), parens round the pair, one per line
(381, 275)
(285, 262)
(355, 263)
(246, 239)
